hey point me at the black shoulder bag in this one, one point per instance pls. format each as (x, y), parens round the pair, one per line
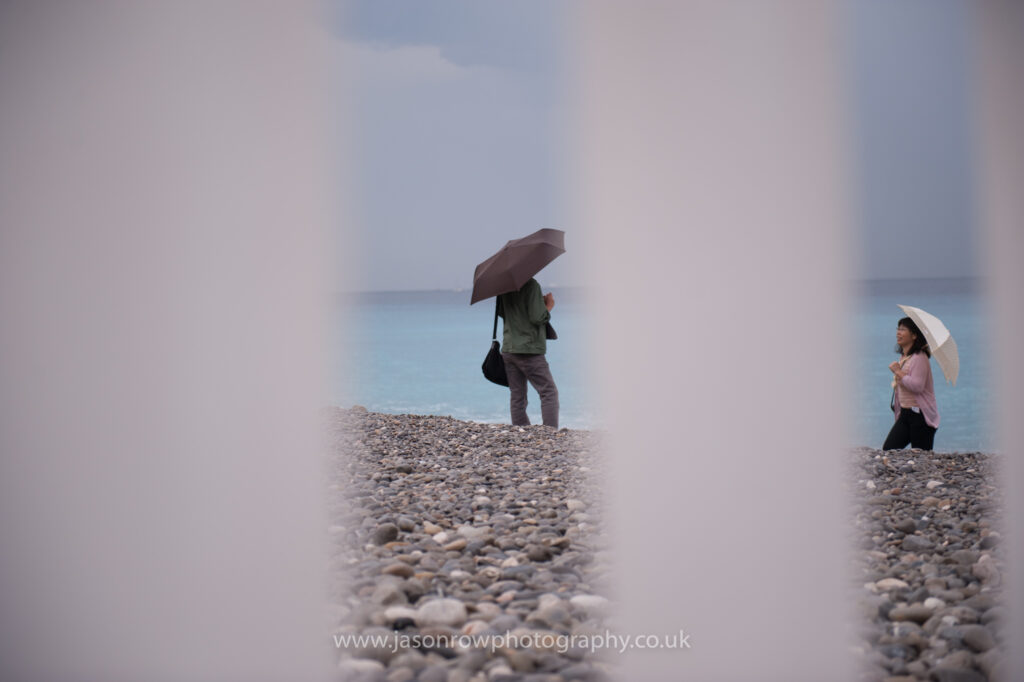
(494, 364)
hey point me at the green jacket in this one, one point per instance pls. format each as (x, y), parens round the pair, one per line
(525, 318)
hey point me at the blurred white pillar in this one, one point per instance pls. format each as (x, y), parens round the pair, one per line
(711, 180)
(999, 134)
(163, 207)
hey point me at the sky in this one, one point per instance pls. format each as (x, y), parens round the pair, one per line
(456, 141)
(459, 116)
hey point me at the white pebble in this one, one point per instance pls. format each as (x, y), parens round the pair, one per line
(444, 611)
(932, 485)
(393, 613)
(590, 603)
(891, 584)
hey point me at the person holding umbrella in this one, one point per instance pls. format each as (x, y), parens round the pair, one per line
(917, 417)
(525, 314)
(509, 276)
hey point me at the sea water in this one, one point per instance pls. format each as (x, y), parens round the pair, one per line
(420, 352)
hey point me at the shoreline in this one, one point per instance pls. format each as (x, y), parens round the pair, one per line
(602, 431)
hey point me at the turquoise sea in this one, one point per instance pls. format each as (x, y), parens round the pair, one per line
(420, 352)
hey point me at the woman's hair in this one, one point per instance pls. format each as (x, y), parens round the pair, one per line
(920, 343)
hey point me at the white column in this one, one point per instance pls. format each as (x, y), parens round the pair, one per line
(163, 186)
(999, 132)
(710, 190)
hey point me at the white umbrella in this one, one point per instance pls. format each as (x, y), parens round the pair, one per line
(940, 341)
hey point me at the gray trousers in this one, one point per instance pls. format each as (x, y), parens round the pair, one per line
(521, 369)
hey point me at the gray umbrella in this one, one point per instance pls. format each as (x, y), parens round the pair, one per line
(515, 263)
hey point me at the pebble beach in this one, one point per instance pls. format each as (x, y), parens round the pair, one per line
(465, 551)
(927, 526)
(473, 552)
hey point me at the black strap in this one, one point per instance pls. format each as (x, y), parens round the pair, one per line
(494, 334)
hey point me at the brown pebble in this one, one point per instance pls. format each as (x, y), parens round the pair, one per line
(399, 569)
(455, 545)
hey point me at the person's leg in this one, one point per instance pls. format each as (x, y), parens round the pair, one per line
(539, 374)
(517, 389)
(921, 435)
(899, 434)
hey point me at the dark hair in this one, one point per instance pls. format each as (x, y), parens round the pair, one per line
(920, 343)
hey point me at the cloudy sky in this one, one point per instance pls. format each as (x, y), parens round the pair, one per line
(460, 109)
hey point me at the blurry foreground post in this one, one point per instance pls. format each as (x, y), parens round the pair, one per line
(710, 169)
(999, 117)
(163, 214)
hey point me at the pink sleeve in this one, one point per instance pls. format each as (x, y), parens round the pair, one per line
(916, 373)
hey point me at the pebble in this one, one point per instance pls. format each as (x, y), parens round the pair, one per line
(906, 526)
(891, 584)
(917, 613)
(978, 637)
(916, 543)
(385, 533)
(589, 603)
(399, 569)
(441, 612)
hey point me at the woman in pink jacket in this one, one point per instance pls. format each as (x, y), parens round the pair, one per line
(913, 392)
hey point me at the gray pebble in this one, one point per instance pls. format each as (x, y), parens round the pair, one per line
(385, 533)
(917, 543)
(978, 637)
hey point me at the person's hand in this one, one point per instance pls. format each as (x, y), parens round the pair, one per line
(549, 301)
(895, 367)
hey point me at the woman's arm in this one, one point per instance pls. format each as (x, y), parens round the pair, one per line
(916, 373)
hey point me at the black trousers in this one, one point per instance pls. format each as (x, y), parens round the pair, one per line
(910, 428)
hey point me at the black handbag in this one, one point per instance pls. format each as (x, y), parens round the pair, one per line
(494, 364)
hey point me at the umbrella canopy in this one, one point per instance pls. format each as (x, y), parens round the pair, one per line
(515, 263)
(940, 341)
